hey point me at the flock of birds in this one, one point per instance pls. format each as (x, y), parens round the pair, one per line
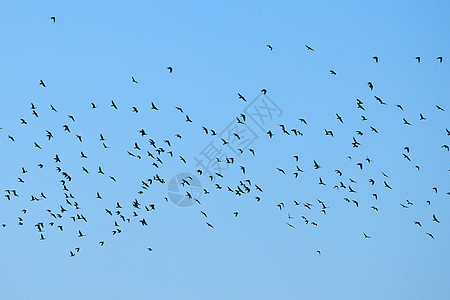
(158, 152)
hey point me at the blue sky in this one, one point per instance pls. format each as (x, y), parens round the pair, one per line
(218, 50)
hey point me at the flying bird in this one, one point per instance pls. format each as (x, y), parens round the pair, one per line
(241, 97)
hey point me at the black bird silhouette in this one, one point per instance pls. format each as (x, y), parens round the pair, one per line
(440, 59)
(366, 236)
(53, 19)
(270, 47)
(418, 59)
(435, 219)
(316, 165)
(42, 83)
(321, 182)
(309, 48)
(375, 58)
(113, 104)
(264, 91)
(281, 170)
(430, 235)
(332, 72)
(241, 97)
(290, 225)
(370, 85)
(170, 69)
(133, 80)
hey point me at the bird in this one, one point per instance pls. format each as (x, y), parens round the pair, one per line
(366, 236)
(53, 19)
(439, 58)
(332, 72)
(309, 48)
(42, 83)
(290, 225)
(321, 182)
(430, 235)
(435, 219)
(170, 69)
(133, 80)
(113, 104)
(316, 165)
(418, 59)
(375, 58)
(270, 47)
(264, 91)
(241, 97)
(370, 85)
(281, 170)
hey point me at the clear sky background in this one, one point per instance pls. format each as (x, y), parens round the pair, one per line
(218, 50)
